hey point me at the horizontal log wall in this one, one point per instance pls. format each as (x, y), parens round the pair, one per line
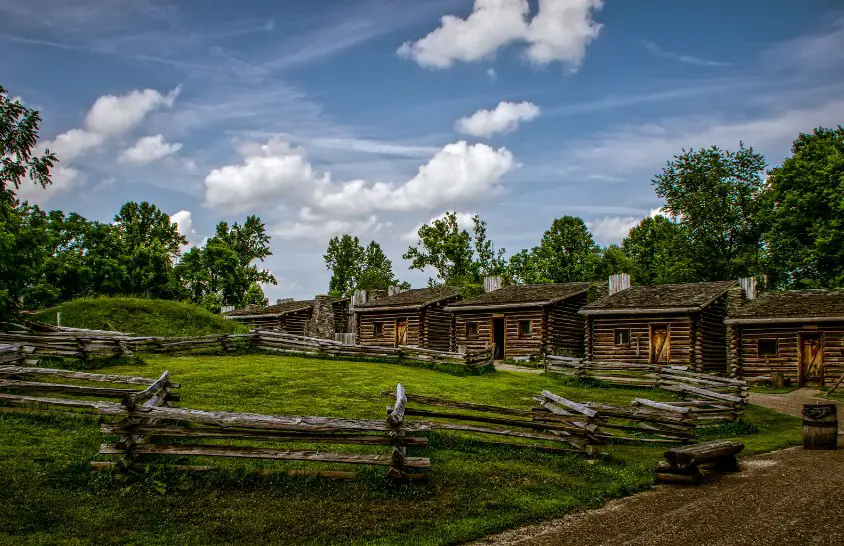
(484, 337)
(714, 336)
(437, 328)
(787, 358)
(341, 316)
(514, 344)
(565, 327)
(366, 327)
(605, 348)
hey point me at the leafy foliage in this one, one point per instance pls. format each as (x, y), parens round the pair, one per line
(805, 235)
(460, 258)
(658, 251)
(566, 253)
(354, 267)
(18, 137)
(717, 197)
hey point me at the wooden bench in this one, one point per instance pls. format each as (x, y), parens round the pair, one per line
(682, 464)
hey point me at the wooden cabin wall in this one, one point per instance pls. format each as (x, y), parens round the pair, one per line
(259, 323)
(341, 316)
(605, 349)
(714, 337)
(514, 345)
(294, 323)
(366, 327)
(565, 328)
(787, 357)
(436, 328)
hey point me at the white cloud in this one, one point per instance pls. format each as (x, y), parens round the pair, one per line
(275, 171)
(464, 221)
(63, 179)
(189, 165)
(325, 229)
(612, 229)
(184, 223)
(493, 75)
(560, 31)
(113, 115)
(74, 143)
(149, 149)
(504, 118)
(688, 59)
(268, 172)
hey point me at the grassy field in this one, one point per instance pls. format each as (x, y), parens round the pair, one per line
(140, 316)
(50, 497)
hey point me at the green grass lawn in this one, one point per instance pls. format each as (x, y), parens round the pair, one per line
(146, 317)
(50, 496)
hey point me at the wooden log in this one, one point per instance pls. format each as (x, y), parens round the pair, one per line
(659, 405)
(100, 466)
(82, 376)
(395, 421)
(580, 408)
(264, 453)
(577, 441)
(703, 392)
(698, 454)
(36, 386)
(107, 408)
(440, 402)
(493, 420)
(148, 392)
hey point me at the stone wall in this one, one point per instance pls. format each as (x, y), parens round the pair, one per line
(321, 324)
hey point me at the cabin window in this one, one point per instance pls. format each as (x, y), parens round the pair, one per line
(622, 336)
(524, 328)
(767, 347)
(471, 330)
(378, 329)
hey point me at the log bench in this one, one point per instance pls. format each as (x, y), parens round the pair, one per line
(682, 464)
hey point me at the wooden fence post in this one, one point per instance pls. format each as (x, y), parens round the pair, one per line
(395, 420)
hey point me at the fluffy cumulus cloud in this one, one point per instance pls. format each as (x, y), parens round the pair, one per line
(149, 149)
(184, 223)
(277, 172)
(321, 230)
(113, 115)
(504, 118)
(63, 180)
(612, 229)
(560, 31)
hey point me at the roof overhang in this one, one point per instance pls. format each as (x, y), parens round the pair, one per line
(268, 315)
(780, 320)
(640, 311)
(417, 307)
(522, 305)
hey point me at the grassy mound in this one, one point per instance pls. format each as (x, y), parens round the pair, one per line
(140, 316)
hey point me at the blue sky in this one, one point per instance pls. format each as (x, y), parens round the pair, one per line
(374, 116)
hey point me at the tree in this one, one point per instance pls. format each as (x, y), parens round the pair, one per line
(805, 236)
(23, 233)
(566, 253)
(659, 252)
(354, 267)
(460, 258)
(343, 258)
(254, 296)
(140, 225)
(18, 137)
(612, 260)
(716, 195)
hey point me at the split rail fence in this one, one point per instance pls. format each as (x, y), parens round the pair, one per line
(708, 397)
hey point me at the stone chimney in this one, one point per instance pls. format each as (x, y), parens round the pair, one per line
(492, 283)
(281, 301)
(321, 325)
(394, 290)
(373, 295)
(618, 282)
(748, 286)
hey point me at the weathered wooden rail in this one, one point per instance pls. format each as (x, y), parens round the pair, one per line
(682, 465)
(708, 397)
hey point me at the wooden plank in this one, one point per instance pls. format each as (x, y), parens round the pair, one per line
(577, 441)
(494, 420)
(148, 392)
(264, 453)
(703, 392)
(580, 408)
(37, 386)
(659, 405)
(108, 408)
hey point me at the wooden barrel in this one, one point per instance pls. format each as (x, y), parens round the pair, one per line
(820, 426)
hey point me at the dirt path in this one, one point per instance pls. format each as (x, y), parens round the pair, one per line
(792, 402)
(787, 497)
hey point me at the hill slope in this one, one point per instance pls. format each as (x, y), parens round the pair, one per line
(140, 316)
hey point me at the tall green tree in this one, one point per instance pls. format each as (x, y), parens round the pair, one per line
(566, 253)
(805, 236)
(460, 258)
(23, 228)
(659, 252)
(717, 196)
(354, 267)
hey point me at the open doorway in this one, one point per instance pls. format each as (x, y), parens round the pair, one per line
(498, 337)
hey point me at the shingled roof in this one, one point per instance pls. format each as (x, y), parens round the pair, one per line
(521, 295)
(659, 298)
(278, 309)
(791, 306)
(416, 298)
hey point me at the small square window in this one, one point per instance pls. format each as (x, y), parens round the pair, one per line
(378, 329)
(524, 328)
(767, 347)
(622, 336)
(471, 330)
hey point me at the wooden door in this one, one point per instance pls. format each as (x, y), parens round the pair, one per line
(811, 358)
(660, 345)
(401, 332)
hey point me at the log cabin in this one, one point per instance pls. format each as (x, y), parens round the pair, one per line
(414, 317)
(797, 332)
(678, 324)
(522, 320)
(291, 316)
